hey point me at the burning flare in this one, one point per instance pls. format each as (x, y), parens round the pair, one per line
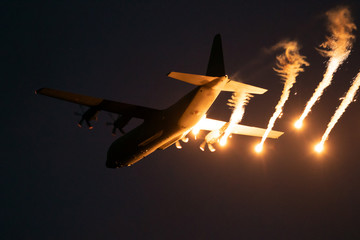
(340, 110)
(258, 148)
(238, 102)
(289, 64)
(196, 129)
(337, 47)
(319, 147)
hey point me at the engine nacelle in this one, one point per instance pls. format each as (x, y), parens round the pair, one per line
(120, 123)
(90, 114)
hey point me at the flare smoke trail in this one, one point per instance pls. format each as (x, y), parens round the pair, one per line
(340, 110)
(289, 64)
(337, 47)
(238, 102)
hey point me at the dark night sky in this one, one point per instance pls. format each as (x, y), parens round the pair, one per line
(54, 183)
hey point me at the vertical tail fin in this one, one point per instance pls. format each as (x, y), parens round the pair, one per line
(216, 61)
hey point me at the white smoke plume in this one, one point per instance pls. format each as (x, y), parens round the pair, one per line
(340, 110)
(289, 65)
(337, 47)
(237, 102)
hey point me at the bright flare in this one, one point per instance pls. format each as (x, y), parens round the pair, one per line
(298, 124)
(288, 67)
(178, 145)
(341, 109)
(258, 148)
(196, 129)
(238, 102)
(319, 147)
(337, 47)
(223, 141)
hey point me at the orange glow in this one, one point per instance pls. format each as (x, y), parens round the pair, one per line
(196, 129)
(185, 139)
(319, 147)
(223, 141)
(259, 148)
(298, 124)
(178, 145)
(202, 146)
(211, 148)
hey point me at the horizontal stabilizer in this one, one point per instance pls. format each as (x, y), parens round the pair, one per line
(231, 86)
(234, 86)
(194, 79)
(212, 124)
(100, 104)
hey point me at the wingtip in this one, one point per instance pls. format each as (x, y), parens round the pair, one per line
(257, 90)
(278, 134)
(264, 91)
(38, 91)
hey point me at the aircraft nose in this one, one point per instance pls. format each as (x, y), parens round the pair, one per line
(117, 157)
(111, 164)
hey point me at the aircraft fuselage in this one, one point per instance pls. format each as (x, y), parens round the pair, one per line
(163, 128)
(167, 127)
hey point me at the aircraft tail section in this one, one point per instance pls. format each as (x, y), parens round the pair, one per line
(194, 79)
(215, 70)
(231, 85)
(216, 66)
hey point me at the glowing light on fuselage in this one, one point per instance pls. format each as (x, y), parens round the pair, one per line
(196, 129)
(178, 145)
(223, 141)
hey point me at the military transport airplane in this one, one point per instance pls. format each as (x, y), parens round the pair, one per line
(163, 128)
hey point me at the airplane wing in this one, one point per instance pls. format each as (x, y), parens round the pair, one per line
(212, 124)
(99, 103)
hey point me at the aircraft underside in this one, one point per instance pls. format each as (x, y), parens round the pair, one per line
(163, 128)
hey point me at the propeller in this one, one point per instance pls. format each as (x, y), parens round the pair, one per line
(119, 123)
(184, 139)
(87, 116)
(178, 145)
(210, 146)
